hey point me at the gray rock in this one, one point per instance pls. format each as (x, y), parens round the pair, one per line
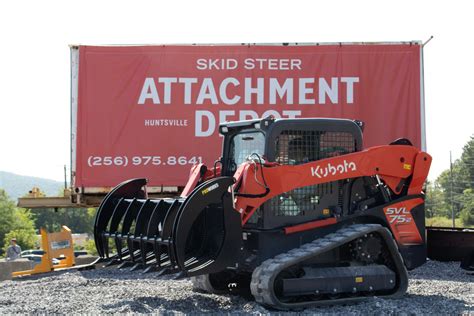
(436, 287)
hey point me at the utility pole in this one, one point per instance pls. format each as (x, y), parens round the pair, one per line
(451, 176)
(65, 178)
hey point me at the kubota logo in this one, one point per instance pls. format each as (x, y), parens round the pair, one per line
(398, 215)
(330, 170)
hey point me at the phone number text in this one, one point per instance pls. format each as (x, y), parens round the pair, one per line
(124, 161)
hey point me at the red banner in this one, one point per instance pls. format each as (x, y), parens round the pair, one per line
(154, 111)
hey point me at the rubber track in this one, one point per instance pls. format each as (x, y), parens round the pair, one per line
(263, 277)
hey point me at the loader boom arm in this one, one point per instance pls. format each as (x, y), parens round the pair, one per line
(257, 182)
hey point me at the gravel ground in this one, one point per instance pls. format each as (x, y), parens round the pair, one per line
(435, 288)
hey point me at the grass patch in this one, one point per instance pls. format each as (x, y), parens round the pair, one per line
(441, 221)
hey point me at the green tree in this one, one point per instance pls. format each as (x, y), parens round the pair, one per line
(457, 187)
(467, 212)
(90, 247)
(467, 162)
(16, 220)
(435, 204)
(7, 215)
(79, 220)
(25, 238)
(452, 191)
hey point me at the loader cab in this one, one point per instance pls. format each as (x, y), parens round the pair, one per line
(291, 142)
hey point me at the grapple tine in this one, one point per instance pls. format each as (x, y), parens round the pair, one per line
(181, 275)
(107, 211)
(137, 266)
(129, 217)
(143, 251)
(157, 216)
(118, 246)
(117, 215)
(165, 271)
(112, 262)
(152, 232)
(105, 245)
(194, 235)
(116, 259)
(136, 234)
(131, 248)
(157, 251)
(149, 269)
(125, 264)
(141, 225)
(167, 230)
(128, 220)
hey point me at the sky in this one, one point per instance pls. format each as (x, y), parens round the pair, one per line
(35, 60)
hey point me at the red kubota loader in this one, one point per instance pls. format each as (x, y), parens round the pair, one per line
(294, 210)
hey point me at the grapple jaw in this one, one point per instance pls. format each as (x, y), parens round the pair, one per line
(195, 235)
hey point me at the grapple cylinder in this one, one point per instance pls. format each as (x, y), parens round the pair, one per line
(194, 235)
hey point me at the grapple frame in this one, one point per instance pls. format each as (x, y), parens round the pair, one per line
(160, 234)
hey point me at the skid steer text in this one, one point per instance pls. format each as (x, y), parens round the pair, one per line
(124, 161)
(398, 215)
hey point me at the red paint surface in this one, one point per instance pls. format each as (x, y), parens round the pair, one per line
(402, 223)
(384, 161)
(111, 122)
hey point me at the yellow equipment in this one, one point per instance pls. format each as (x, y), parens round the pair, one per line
(55, 245)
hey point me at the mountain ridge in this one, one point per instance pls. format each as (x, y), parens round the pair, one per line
(18, 185)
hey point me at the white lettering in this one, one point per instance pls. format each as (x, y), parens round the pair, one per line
(331, 92)
(207, 92)
(398, 215)
(249, 90)
(330, 170)
(296, 64)
(149, 92)
(350, 87)
(231, 64)
(276, 88)
(198, 129)
(201, 64)
(304, 91)
(253, 91)
(167, 88)
(248, 64)
(187, 88)
(213, 64)
(223, 91)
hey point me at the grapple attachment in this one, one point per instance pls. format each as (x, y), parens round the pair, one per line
(194, 235)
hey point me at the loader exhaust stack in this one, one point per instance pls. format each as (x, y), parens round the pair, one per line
(195, 235)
